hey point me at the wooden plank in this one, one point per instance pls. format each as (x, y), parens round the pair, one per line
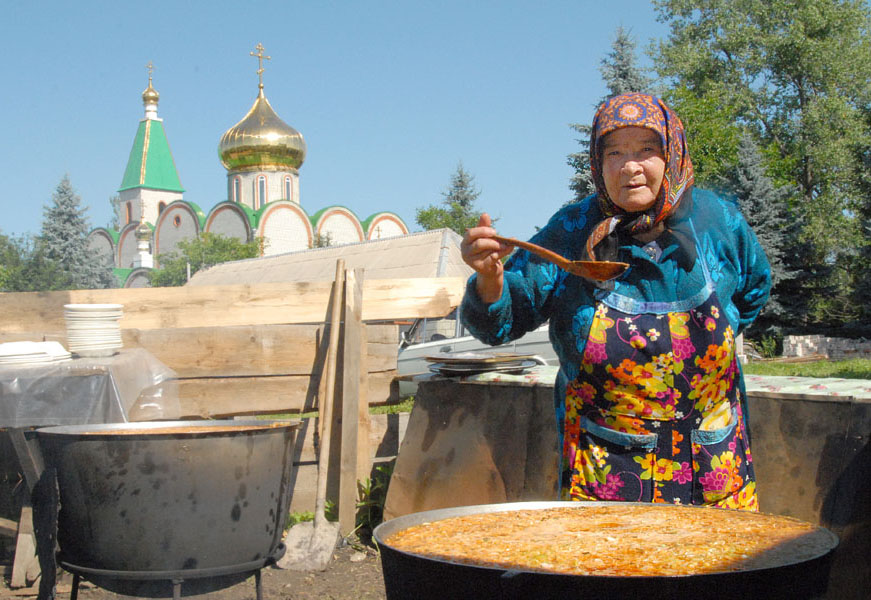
(228, 396)
(385, 435)
(364, 465)
(248, 350)
(231, 351)
(8, 527)
(28, 455)
(230, 305)
(212, 397)
(351, 353)
(25, 547)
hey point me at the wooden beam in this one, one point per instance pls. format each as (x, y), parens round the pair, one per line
(8, 527)
(25, 547)
(352, 344)
(250, 350)
(364, 465)
(214, 397)
(229, 305)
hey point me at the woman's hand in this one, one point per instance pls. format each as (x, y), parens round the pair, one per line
(484, 254)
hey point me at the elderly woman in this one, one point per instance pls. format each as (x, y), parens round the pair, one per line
(649, 396)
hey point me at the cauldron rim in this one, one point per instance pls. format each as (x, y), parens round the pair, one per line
(394, 525)
(137, 429)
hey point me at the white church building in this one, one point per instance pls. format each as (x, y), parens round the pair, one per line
(263, 156)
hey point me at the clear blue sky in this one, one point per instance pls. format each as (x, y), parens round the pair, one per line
(390, 96)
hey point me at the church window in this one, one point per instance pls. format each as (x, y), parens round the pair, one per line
(261, 190)
(237, 189)
(288, 189)
(160, 207)
(129, 213)
(176, 220)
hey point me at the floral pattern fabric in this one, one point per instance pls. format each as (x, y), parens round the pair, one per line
(652, 419)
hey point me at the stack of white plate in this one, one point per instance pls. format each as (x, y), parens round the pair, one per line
(32, 353)
(93, 329)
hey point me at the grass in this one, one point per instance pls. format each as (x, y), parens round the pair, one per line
(856, 368)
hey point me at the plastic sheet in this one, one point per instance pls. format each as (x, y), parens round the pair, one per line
(132, 385)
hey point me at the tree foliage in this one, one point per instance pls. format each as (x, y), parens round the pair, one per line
(58, 258)
(795, 74)
(25, 268)
(199, 253)
(767, 212)
(457, 211)
(621, 74)
(321, 240)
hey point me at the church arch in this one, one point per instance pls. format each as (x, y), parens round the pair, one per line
(231, 220)
(179, 221)
(285, 227)
(384, 225)
(340, 224)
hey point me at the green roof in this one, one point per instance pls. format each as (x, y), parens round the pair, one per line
(150, 164)
(122, 274)
(316, 217)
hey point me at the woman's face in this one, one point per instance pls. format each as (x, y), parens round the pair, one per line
(633, 165)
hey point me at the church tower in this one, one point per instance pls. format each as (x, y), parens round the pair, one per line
(150, 180)
(262, 153)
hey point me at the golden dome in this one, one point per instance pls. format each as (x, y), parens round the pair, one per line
(150, 95)
(143, 231)
(261, 140)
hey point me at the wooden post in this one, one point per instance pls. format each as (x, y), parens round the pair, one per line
(25, 566)
(364, 465)
(350, 400)
(25, 550)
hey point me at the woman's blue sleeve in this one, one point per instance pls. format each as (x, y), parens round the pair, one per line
(754, 278)
(530, 284)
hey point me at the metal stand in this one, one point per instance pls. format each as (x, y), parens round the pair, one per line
(108, 579)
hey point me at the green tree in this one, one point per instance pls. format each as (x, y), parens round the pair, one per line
(621, 74)
(713, 134)
(457, 211)
(322, 240)
(767, 212)
(64, 242)
(794, 73)
(24, 267)
(10, 261)
(200, 253)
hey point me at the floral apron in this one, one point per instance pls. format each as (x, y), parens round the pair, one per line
(655, 415)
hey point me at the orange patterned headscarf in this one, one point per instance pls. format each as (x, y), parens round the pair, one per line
(640, 110)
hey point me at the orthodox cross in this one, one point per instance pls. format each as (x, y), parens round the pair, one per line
(150, 68)
(260, 56)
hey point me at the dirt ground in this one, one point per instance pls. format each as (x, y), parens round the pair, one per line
(353, 573)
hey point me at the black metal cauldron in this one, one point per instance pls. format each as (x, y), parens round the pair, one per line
(173, 501)
(408, 575)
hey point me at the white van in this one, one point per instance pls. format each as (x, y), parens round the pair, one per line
(426, 337)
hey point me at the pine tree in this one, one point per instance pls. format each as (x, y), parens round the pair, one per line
(620, 69)
(621, 74)
(766, 210)
(457, 211)
(64, 241)
(861, 267)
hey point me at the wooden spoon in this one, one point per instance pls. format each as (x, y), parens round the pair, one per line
(597, 270)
